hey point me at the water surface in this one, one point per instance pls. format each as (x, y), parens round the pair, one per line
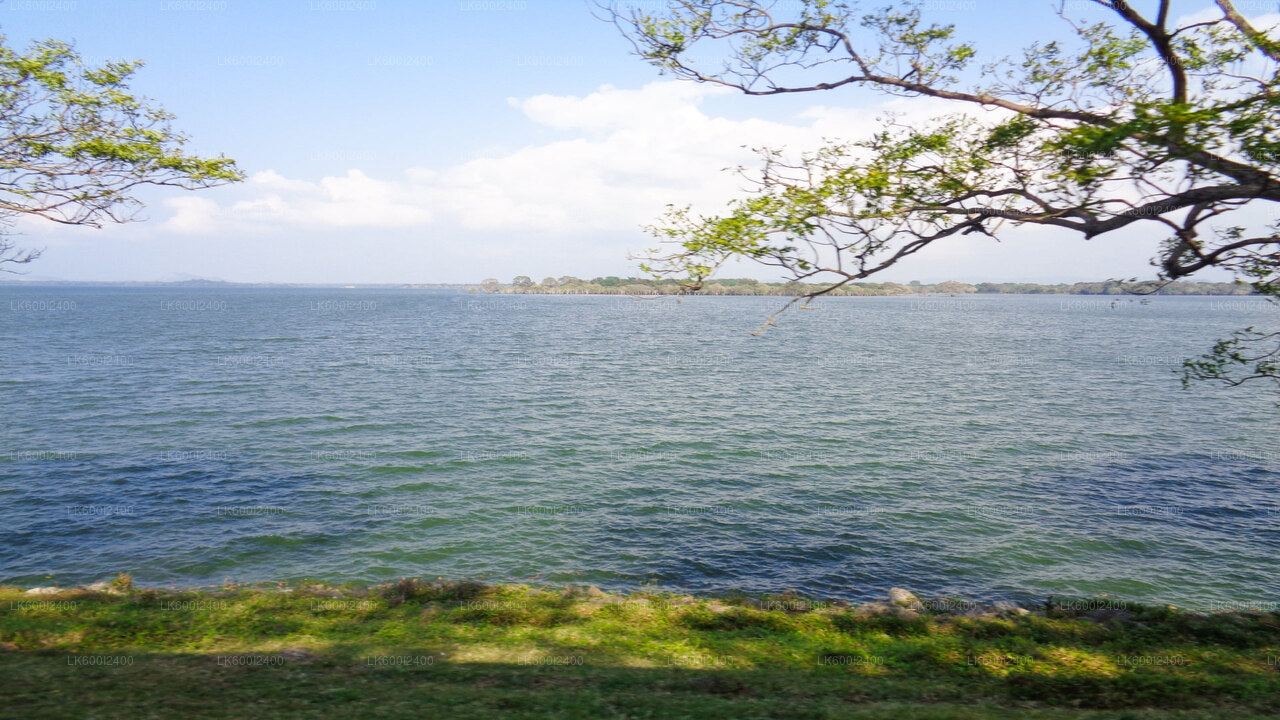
(1014, 446)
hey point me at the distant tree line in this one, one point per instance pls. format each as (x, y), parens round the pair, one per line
(612, 285)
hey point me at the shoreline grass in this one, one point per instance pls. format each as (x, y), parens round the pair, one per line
(465, 650)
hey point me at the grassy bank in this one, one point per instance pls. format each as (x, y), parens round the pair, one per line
(463, 650)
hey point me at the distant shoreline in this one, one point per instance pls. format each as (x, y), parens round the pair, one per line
(724, 288)
(215, 284)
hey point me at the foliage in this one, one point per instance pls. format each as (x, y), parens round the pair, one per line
(1251, 351)
(75, 144)
(1134, 124)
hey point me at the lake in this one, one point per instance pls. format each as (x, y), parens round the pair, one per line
(987, 446)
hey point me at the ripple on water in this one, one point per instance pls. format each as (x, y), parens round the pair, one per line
(844, 451)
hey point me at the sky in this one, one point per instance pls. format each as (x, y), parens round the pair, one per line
(447, 141)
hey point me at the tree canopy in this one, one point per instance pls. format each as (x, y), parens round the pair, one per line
(75, 143)
(1137, 122)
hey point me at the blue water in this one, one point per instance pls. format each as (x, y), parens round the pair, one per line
(1013, 446)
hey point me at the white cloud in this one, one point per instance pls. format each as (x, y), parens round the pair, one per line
(1261, 15)
(626, 155)
(643, 149)
(635, 151)
(354, 200)
(191, 215)
(662, 103)
(567, 204)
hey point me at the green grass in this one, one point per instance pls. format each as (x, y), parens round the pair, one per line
(464, 650)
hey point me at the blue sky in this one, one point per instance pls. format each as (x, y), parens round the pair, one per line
(453, 140)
